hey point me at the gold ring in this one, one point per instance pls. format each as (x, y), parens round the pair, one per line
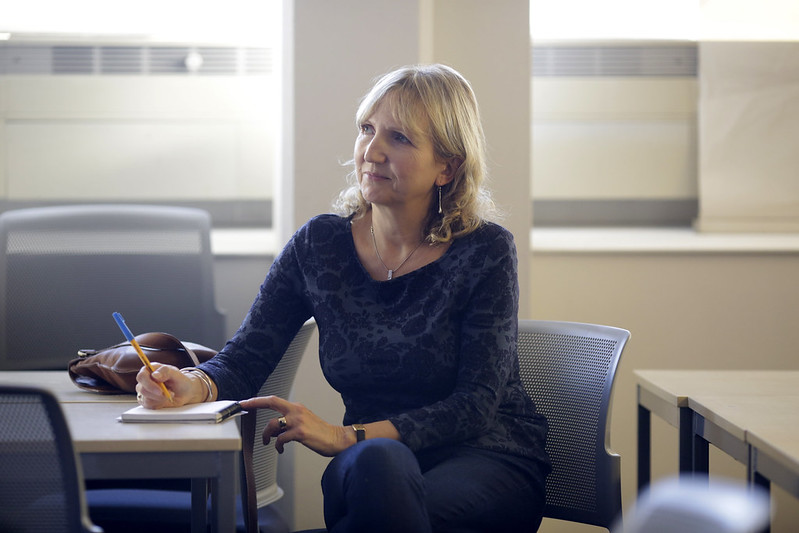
(282, 422)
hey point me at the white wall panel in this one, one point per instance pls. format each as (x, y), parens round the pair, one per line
(748, 130)
(614, 138)
(72, 160)
(614, 159)
(139, 137)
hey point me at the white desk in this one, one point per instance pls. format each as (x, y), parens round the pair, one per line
(109, 449)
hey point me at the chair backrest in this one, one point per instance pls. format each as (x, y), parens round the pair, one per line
(279, 384)
(64, 270)
(259, 482)
(41, 485)
(568, 369)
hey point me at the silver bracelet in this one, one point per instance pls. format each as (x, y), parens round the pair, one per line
(203, 377)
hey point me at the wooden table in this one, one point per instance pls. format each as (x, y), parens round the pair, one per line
(109, 449)
(752, 415)
(770, 427)
(65, 391)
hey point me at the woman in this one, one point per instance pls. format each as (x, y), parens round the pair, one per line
(415, 295)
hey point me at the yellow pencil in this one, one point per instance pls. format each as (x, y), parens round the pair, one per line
(128, 335)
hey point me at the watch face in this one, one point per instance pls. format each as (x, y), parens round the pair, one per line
(360, 433)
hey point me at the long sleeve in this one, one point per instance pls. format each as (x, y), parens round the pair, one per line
(279, 309)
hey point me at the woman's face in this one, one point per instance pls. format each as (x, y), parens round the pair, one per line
(396, 166)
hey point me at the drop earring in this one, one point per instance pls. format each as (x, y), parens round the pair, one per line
(440, 210)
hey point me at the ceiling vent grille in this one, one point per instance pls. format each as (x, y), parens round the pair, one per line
(134, 60)
(649, 60)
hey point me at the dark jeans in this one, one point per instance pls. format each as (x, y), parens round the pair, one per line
(380, 486)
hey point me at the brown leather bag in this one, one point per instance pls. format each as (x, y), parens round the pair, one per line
(113, 370)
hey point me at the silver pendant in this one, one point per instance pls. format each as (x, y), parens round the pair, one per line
(390, 274)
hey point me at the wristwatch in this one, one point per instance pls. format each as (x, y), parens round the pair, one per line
(360, 432)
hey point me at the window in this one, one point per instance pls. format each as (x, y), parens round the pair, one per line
(172, 102)
(614, 127)
(615, 106)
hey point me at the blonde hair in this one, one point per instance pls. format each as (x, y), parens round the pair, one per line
(443, 96)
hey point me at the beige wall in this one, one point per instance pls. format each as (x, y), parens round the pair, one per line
(489, 42)
(335, 50)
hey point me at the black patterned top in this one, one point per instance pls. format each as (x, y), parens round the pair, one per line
(433, 351)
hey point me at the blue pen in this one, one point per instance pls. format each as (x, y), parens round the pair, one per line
(128, 335)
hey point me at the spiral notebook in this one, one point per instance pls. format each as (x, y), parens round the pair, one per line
(210, 413)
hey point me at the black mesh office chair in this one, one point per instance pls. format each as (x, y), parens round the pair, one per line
(41, 485)
(64, 270)
(131, 510)
(568, 369)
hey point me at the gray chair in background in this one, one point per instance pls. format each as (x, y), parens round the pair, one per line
(65, 269)
(129, 510)
(568, 369)
(41, 484)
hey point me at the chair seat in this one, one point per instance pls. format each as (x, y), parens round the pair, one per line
(162, 511)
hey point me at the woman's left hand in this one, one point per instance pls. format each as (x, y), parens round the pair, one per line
(301, 425)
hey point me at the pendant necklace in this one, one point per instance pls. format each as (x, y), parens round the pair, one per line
(390, 271)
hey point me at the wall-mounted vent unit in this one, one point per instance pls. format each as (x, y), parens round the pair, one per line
(72, 60)
(258, 60)
(614, 133)
(607, 60)
(168, 60)
(121, 59)
(134, 60)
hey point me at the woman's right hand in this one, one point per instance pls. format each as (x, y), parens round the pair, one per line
(184, 388)
(300, 425)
